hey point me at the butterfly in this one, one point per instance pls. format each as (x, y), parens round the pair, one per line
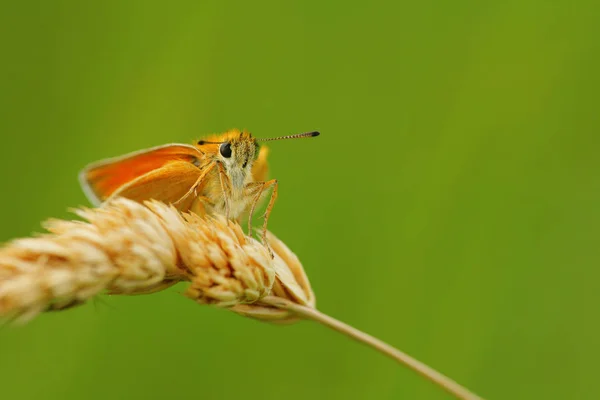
(222, 174)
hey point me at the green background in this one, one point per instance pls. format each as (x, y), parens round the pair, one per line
(450, 206)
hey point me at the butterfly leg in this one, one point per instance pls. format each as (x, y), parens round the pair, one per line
(224, 179)
(193, 190)
(257, 189)
(253, 190)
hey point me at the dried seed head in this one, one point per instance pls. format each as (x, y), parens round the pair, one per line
(290, 283)
(129, 248)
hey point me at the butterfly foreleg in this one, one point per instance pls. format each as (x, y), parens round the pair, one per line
(256, 189)
(225, 188)
(193, 189)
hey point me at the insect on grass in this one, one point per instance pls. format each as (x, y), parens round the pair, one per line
(222, 174)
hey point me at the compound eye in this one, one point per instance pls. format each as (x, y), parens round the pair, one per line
(225, 150)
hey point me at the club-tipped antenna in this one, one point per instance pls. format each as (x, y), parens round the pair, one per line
(201, 142)
(296, 136)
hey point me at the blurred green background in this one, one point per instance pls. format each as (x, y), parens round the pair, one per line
(450, 207)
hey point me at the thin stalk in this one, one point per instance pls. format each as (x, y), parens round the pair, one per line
(424, 370)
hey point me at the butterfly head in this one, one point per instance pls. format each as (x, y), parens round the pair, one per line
(237, 150)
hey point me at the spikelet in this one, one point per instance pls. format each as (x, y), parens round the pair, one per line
(128, 248)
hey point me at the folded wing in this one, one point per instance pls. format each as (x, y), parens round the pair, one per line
(164, 173)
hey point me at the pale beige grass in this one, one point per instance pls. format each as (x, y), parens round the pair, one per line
(128, 248)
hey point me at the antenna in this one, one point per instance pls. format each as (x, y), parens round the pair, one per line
(201, 142)
(296, 136)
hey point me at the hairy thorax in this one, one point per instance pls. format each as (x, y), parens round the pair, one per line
(214, 198)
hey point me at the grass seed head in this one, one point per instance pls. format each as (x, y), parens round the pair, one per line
(127, 248)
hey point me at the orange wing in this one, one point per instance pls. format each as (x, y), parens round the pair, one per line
(158, 170)
(171, 184)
